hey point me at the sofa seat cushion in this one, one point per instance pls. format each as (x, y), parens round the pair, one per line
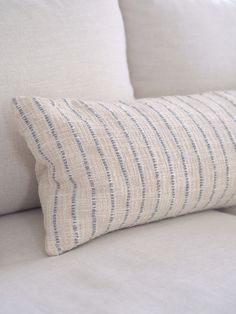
(180, 265)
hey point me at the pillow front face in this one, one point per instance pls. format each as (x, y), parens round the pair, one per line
(105, 166)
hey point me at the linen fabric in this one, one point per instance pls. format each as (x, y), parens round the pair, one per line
(180, 46)
(188, 260)
(102, 166)
(54, 49)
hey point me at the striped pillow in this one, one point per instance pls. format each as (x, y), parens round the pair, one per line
(104, 166)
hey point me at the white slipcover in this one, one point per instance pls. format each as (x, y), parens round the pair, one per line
(180, 265)
(180, 46)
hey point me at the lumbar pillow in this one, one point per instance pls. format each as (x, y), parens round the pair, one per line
(102, 166)
(53, 49)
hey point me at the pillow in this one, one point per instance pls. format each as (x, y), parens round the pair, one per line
(53, 49)
(103, 166)
(180, 46)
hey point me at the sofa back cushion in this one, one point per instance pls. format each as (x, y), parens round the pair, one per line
(180, 46)
(52, 49)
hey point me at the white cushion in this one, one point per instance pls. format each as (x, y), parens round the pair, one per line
(181, 265)
(53, 48)
(103, 166)
(180, 46)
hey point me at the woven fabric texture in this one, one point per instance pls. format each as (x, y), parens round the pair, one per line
(105, 166)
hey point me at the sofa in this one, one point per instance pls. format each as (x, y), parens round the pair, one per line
(109, 50)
